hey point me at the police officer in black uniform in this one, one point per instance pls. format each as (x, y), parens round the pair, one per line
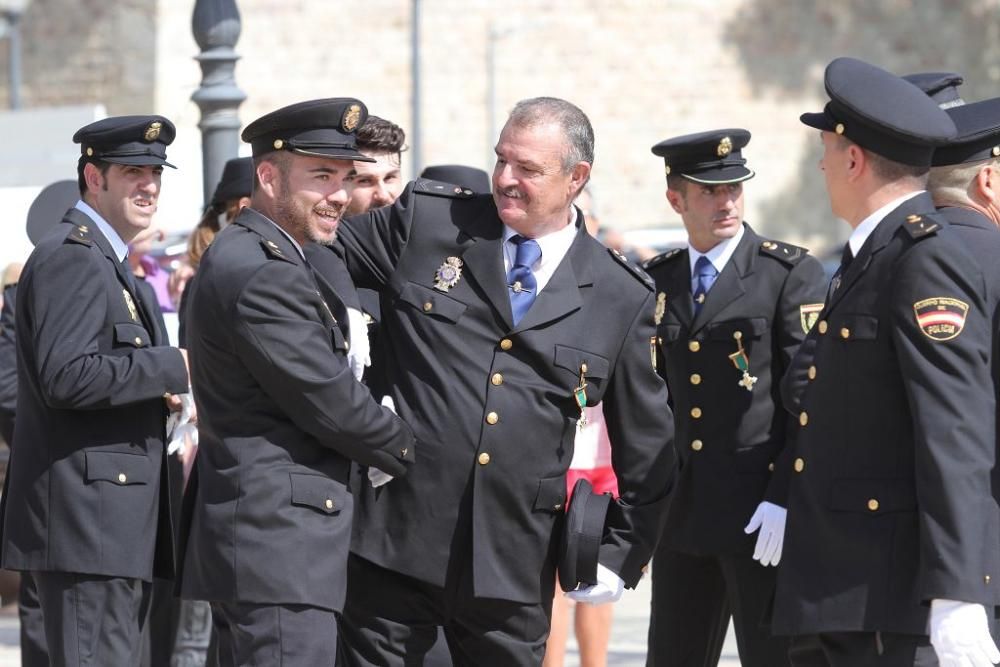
(503, 318)
(892, 528)
(86, 509)
(268, 510)
(732, 309)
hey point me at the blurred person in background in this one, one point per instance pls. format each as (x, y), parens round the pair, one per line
(377, 183)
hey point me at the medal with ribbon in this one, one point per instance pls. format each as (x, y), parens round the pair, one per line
(742, 363)
(580, 395)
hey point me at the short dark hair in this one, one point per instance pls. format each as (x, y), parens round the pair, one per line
(677, 182)
(378, 135)
(280, 159)
(889, 170)
(80, 180)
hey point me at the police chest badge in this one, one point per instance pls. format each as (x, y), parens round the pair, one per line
(130, 304)
(941, 317)
(448, 274)
(808, 314)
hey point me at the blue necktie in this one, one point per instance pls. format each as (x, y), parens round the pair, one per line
(520, 280)
(705, 273)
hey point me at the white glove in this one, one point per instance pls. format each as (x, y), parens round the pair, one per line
(182, 424)
(770, 518)
(960, 634)
(359, 353)
(376, 476)
(608, 588)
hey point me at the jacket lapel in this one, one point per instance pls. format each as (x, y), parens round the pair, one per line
(484, 260)
(728, 286)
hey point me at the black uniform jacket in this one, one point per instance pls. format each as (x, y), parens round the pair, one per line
(890, 504)
(492, 403)
(268, 520)
(729, 437)
(87, 485)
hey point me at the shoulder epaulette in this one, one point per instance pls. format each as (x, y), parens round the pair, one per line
(920, 226)
(786, 252)
(662, 257)
(633, 269)
(274, 251)
(80, 234)
(426, 186)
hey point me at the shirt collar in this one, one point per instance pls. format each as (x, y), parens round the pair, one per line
(719, 254)
(868, 225)
(118, 246)
(554, 245)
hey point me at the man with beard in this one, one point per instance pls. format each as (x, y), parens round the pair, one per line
(86, 509)
(507, 319)
(268, 515)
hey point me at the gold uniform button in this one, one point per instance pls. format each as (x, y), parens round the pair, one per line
(986, 580)
(328, 504)
(497, 379)
(803, 418)
(873, 504)
(696, 412)
(694, 345)
(695, 378)
(770, 467)
(800, 465)
(845, 333)
(812, 372)
(428, 306)
(506, 344)
(492, 418)
(122, 478)
(822, 326)
(696, 445)
(484, 458)
(138, 341)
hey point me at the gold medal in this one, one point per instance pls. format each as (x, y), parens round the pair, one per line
(580, 396)
(742, 363)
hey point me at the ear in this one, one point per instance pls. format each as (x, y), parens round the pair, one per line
(268, 175)
(579, 177)
(676, 200)
(92, 177)
(856, 162)
(987, 184)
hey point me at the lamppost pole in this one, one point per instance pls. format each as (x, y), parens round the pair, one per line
(415, 132)
(216, 27)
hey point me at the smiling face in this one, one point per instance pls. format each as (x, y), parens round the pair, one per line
(531, 187)
(305, 195)
(711, 213)
(375, 184)
(125, 195)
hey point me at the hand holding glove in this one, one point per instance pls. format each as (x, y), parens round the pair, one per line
(359, 352)
(376, 476)
(960, 634)
(609, 588)
(770, 519)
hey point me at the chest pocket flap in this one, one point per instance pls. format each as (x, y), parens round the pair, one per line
(432, 302)
(132, 334)
(855, 327)
(551, 496)
(573, 359)
(753, 327)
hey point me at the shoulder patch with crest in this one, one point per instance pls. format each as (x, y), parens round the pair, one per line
(274, 251)
(426, 186)
(80, 234)
(786, 252)
(641, 275)
(919, 226)
(808, 314)
(941, 317)
(661, 258)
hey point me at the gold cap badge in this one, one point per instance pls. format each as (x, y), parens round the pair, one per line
(725, 147)
(839, 128)
(153, 131)
(278, 143)
(351, 117)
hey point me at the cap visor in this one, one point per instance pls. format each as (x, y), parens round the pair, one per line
(818, 120)
(335, 154)
(139, 161)
(731, 174)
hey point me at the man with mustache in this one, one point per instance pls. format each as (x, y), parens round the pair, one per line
(505, 319)
(86, 509)
(268, 508)
(732, 309)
